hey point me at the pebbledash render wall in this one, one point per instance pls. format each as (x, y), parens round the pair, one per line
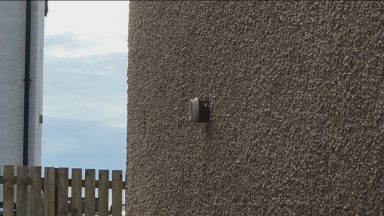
(297, 98)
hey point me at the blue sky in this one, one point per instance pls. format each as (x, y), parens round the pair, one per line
(85, 89)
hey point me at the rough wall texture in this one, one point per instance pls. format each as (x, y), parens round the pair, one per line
(297, 98)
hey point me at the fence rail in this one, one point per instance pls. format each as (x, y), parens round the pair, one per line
(48, 195)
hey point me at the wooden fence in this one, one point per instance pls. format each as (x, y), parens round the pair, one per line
(48, 195)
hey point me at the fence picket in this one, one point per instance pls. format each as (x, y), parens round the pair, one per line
(8, 190)
(116, 192)
(76, 193)
(103, 193)
(49, 192)
(36, 209)
(62, 192)
(89, 192)
(22, 186)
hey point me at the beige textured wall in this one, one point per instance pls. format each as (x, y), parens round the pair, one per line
(297, 97)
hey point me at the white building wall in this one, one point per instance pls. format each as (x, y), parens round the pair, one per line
(12, 52)
(12, 72)
(36, 86)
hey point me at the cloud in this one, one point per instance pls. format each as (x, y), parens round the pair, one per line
(67, 39)
(88, 89)
(78, 48)
(85, 88)
(78, 20)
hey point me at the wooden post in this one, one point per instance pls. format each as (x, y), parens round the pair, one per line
(116, 192)
(49, 191)
(103, 192)
(36, 201)
(76, 193)
(89, 192)
(22, 186)
(8, 196)
(62, 192)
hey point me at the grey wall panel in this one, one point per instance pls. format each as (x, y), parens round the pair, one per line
(12, 53)
(296, 92)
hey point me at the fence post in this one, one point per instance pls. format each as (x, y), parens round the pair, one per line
(116, 192)
(62, 192)
(36, 191)
(22, 186)
(49, 191)
(76, 193)
(89, 192)
(8, 191)
(103, 193)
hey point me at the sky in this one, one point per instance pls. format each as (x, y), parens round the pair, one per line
(85, 88)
